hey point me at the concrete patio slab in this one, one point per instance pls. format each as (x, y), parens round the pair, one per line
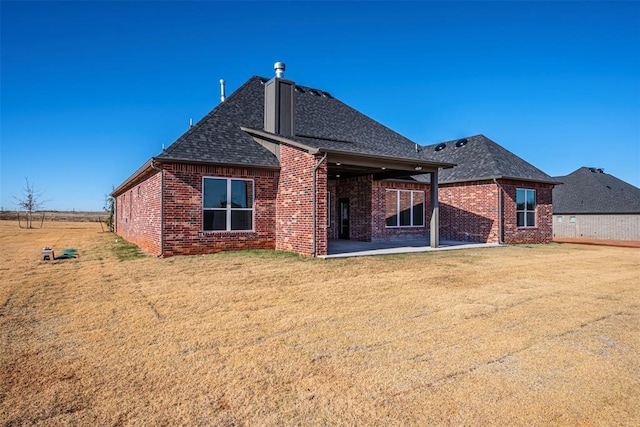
(352, 248)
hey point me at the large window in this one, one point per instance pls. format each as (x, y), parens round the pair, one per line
(404, 208)
(227, 204)
(526, 207)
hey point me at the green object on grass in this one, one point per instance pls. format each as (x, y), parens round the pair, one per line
(68, 253)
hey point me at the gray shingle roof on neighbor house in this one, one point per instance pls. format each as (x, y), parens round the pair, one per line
(590, 191)
(321, 122)
(479, 158)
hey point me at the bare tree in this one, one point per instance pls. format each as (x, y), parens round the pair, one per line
(109, 207)
(30, 201)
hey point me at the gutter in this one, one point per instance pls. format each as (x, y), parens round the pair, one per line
(177, 160)
(155, 160)
(161, 170)
(313, 150)
(405, 160)
(279, 138)
(315, 208)
(136, 175)
(494, 177)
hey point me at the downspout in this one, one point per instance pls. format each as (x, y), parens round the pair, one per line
(161, 170)
(500, 219)
(314, 219)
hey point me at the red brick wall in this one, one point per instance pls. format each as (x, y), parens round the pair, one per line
(294, 213)
(358, 191)
(332, 210)
(138, 214)
(183, 211)
(379, 229)
(469, 211)
(283, 209)
(543, 231)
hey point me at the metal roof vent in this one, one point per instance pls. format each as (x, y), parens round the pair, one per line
(222, 95)
(440, 146)
(279, 67)
(462, 142)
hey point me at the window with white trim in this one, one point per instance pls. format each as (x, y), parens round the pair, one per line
(227, 204)
(526, 207)
(404, 208)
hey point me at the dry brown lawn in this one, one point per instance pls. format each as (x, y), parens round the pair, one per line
(527, 335)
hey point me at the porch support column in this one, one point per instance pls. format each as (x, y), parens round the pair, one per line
(434, 210)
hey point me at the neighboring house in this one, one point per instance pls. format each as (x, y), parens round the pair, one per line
(288, 167)
(593, 205)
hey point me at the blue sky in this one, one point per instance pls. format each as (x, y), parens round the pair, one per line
(91, 90)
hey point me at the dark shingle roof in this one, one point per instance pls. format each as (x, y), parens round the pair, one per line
(587, 190)
(217, 137)
(321, 122)
(479, 158)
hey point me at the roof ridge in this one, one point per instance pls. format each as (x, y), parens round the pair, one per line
(492, 147)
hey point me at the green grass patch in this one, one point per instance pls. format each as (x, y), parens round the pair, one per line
(261, 254)
(125, 251)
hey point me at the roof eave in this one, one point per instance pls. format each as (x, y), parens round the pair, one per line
(492, 177)
(145, 168)
(313, 150)
(149, 165)
(167, 160)
(278, 139)
(407, 160)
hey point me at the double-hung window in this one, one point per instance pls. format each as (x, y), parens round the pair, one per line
(526, 207)
(227, 204)
(404, 208)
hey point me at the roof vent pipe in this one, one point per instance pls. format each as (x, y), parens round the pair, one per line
(279, 67)
(222, 97)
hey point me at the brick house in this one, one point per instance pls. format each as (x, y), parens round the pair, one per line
(282, 166)
(593, 205)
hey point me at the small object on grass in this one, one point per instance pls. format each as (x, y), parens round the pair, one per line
(68, 253)
(47, 254)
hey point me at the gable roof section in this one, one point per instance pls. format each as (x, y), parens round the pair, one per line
(322, 122)
(217, 137)
(588, 191)
(480, 159)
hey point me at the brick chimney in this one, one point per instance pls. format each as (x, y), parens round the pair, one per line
(279, 104)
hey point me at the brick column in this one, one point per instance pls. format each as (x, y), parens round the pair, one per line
(434, 210)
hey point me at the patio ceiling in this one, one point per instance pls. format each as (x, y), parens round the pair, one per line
(341, 170)
(347, 165)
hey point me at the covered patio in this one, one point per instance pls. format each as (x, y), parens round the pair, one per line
(339, 248)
